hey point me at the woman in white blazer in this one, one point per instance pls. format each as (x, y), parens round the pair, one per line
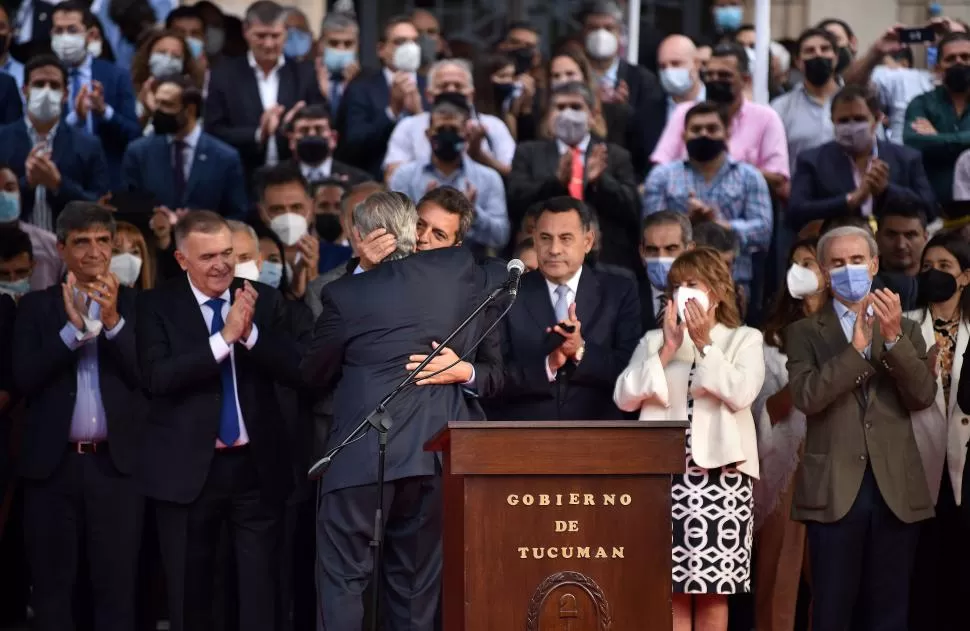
(779, 540)
(942, 431)
(705, 367)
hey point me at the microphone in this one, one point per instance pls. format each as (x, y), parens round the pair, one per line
(515, 269)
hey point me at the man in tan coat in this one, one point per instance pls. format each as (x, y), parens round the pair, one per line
(857, 369)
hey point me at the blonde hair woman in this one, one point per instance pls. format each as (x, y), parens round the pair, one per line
(131, 260)
(704, 366)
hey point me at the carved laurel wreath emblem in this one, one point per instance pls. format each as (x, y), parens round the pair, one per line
(555, 581)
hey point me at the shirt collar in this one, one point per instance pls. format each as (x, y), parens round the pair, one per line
(583, 145)
(325, 167)
(572, 283)
(33, 132)
(462, 168)
(200, 297)
(191, 140)
(252, 64)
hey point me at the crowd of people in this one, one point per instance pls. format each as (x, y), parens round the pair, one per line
(791, 278)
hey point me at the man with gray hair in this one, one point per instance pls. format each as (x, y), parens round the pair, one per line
(583, 166)
(489, 142)
(284, 85)
(372, 323)
(665, 236)
(857, 369)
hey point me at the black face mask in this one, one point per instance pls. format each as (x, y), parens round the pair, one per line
(165, 123)
(935, 286)
(704, 148)
(312, 149)
(818, 70)
(845, 59)
(720, 92)
(523, 58)
(447, 144)
(957, 78)
(502, 91)
(328, 227)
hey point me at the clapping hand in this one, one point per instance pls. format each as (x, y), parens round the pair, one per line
(673, 334)
(75, 302)
(596, 163)
(104, 291)
(239, 322)
(877, 177)
(699, 322)
(862, 331)
(461, 372)
(889, 311)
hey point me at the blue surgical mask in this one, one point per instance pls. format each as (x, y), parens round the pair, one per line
(271, 273)
(851, 283)
(657, 270)
(297, 43)
(196, 46)
(9, 207)
(336, 60)
(15, 288)
(728, 19)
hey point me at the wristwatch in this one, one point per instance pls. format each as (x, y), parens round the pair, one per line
(580, 352)
(707, 349)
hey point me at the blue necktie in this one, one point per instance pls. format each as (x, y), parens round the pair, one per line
(562, 303)
(75, 89)
(228, 415)
(335, 93)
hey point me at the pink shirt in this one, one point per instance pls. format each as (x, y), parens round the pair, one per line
(757, 137)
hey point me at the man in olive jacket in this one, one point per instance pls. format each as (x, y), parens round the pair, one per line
(857, 369)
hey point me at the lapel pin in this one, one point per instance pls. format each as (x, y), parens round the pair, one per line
(202, 157)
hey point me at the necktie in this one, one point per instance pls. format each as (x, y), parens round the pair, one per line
(336, 89)
(562, 303)
(75, 89)
(576, 174)
(662, 311)
(228, 415)
(178, 168)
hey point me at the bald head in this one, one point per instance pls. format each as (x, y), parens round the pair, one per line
(679, 67)
(676, 51)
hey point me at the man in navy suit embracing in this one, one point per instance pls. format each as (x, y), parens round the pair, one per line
(181, 166)
(100, 97)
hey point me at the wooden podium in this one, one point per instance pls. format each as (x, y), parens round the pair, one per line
(558, 526)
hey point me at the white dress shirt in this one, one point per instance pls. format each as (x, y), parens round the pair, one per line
(583, 147)
(221, 350)
(409, 141)
(188, 152)
(573, 285)
(321, 172)
(269, 92)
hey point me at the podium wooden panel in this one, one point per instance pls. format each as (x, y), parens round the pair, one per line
(558, 526)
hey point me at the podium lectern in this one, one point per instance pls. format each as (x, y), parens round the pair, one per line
(558, 526)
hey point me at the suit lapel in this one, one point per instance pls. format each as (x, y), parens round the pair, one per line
(249, 85)
(198, 169)
(588, 301)
(963, 336)
(537, 301)
(194, 320)
(844, 169)
(286, 95)
(835, 342)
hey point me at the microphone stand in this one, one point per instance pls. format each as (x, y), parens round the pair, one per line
(380, 420)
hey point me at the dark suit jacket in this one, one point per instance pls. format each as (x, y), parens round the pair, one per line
(858, 416)
(8, 313)
(609, 310)
(823, 178)
(183, 380)
(215, 179)
(40, 33)
(78, 156)
(233, 107)
(645, 113)
(46, 374)
(123, 127)
(648, 318)
(366, 127)
(11, 107)
(614, 196)
(370, 324)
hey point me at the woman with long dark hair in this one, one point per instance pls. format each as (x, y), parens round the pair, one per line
(780, 541)
(942, 432)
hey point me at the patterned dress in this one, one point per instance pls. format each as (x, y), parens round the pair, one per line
(713, 529)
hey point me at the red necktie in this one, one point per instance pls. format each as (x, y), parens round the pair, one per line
(576, 174)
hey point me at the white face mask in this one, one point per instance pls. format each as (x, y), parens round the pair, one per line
(164, 65)
(602, 44)
(676, 81)
(95, 48)
(801, 282)
(683, 294)
(248, 270)
(44, 104)
(69, 47)
(126, 267)
(407, 57)
(289, 227)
